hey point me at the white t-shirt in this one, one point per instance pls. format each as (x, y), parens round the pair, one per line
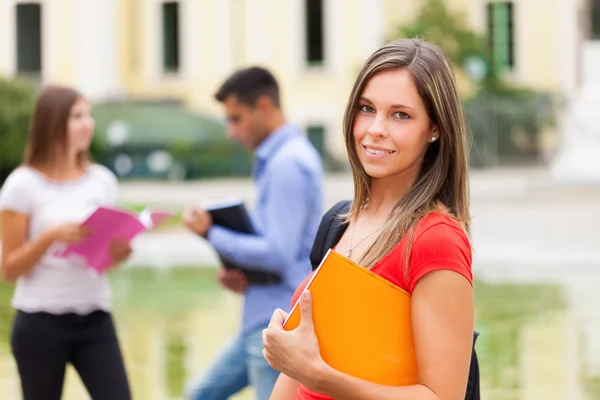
(56, 285)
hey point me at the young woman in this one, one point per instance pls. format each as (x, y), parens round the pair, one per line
(409, 222)
(63, 310)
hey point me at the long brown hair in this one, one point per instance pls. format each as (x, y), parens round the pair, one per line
(443, 177)
(48, 131)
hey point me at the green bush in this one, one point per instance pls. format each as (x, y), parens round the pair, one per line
(437, 24)
(214, 159)
(17, 100)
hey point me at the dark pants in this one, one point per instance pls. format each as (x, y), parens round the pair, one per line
(43, 344)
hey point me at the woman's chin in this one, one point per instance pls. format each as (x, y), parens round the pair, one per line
(377, 172)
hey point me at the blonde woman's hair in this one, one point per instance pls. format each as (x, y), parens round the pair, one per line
(443, 177)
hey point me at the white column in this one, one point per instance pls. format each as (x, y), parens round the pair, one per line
(524, 12)
(96, 49)
(332, 32)
(188, 39)
(479, 15)
(256, 31)
(294, 18)
(569, 38)
(374, 34)
(153, 40)
(8, 61)
(50, 44)
(223, 35)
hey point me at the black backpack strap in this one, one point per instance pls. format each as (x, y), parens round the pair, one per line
(329, 232)
(473, 390)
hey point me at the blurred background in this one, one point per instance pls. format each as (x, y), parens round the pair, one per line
(529, 77)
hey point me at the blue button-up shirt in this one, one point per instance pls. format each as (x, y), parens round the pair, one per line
(289, 175)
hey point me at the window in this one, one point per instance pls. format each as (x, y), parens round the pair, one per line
(500, 17)
(29, 39)
(170, 31)
(595, 20)
(316, 135)
(314, 32)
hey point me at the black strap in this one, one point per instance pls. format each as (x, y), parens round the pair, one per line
(473, 391)
(329, 233)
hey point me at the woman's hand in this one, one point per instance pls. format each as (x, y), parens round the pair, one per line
(120, 250)
(70, 232)
(294, 353)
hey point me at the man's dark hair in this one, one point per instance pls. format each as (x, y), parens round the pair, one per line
(248, 85)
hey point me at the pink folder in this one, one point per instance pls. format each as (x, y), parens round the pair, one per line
(107, 224)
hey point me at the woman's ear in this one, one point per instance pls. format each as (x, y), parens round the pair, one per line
(434, 134)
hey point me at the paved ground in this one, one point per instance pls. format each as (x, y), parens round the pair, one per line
(523, 226)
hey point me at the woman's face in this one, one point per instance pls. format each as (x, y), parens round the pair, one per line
(80, 127)
(392, 129)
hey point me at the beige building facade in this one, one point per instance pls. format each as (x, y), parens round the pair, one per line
(181, 50)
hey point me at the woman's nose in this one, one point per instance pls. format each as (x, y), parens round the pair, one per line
(377, 128)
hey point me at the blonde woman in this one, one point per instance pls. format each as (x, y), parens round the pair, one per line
(409, 222)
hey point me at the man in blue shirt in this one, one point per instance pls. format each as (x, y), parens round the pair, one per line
(289, 177)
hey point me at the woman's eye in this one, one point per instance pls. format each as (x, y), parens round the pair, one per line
(366, 109)
(401, 115)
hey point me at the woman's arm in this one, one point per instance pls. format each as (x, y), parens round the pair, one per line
(442, 312)
(19, 257)
(285, 388)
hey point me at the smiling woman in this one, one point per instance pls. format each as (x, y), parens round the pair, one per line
(409, 223)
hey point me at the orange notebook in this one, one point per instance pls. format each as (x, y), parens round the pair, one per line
(362, 322)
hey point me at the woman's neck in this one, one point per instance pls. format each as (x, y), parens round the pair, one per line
(66, 169)
(385, 194)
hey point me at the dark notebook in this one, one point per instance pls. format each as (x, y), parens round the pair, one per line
(234, 216)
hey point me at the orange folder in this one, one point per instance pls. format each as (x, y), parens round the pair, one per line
(362, 322)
